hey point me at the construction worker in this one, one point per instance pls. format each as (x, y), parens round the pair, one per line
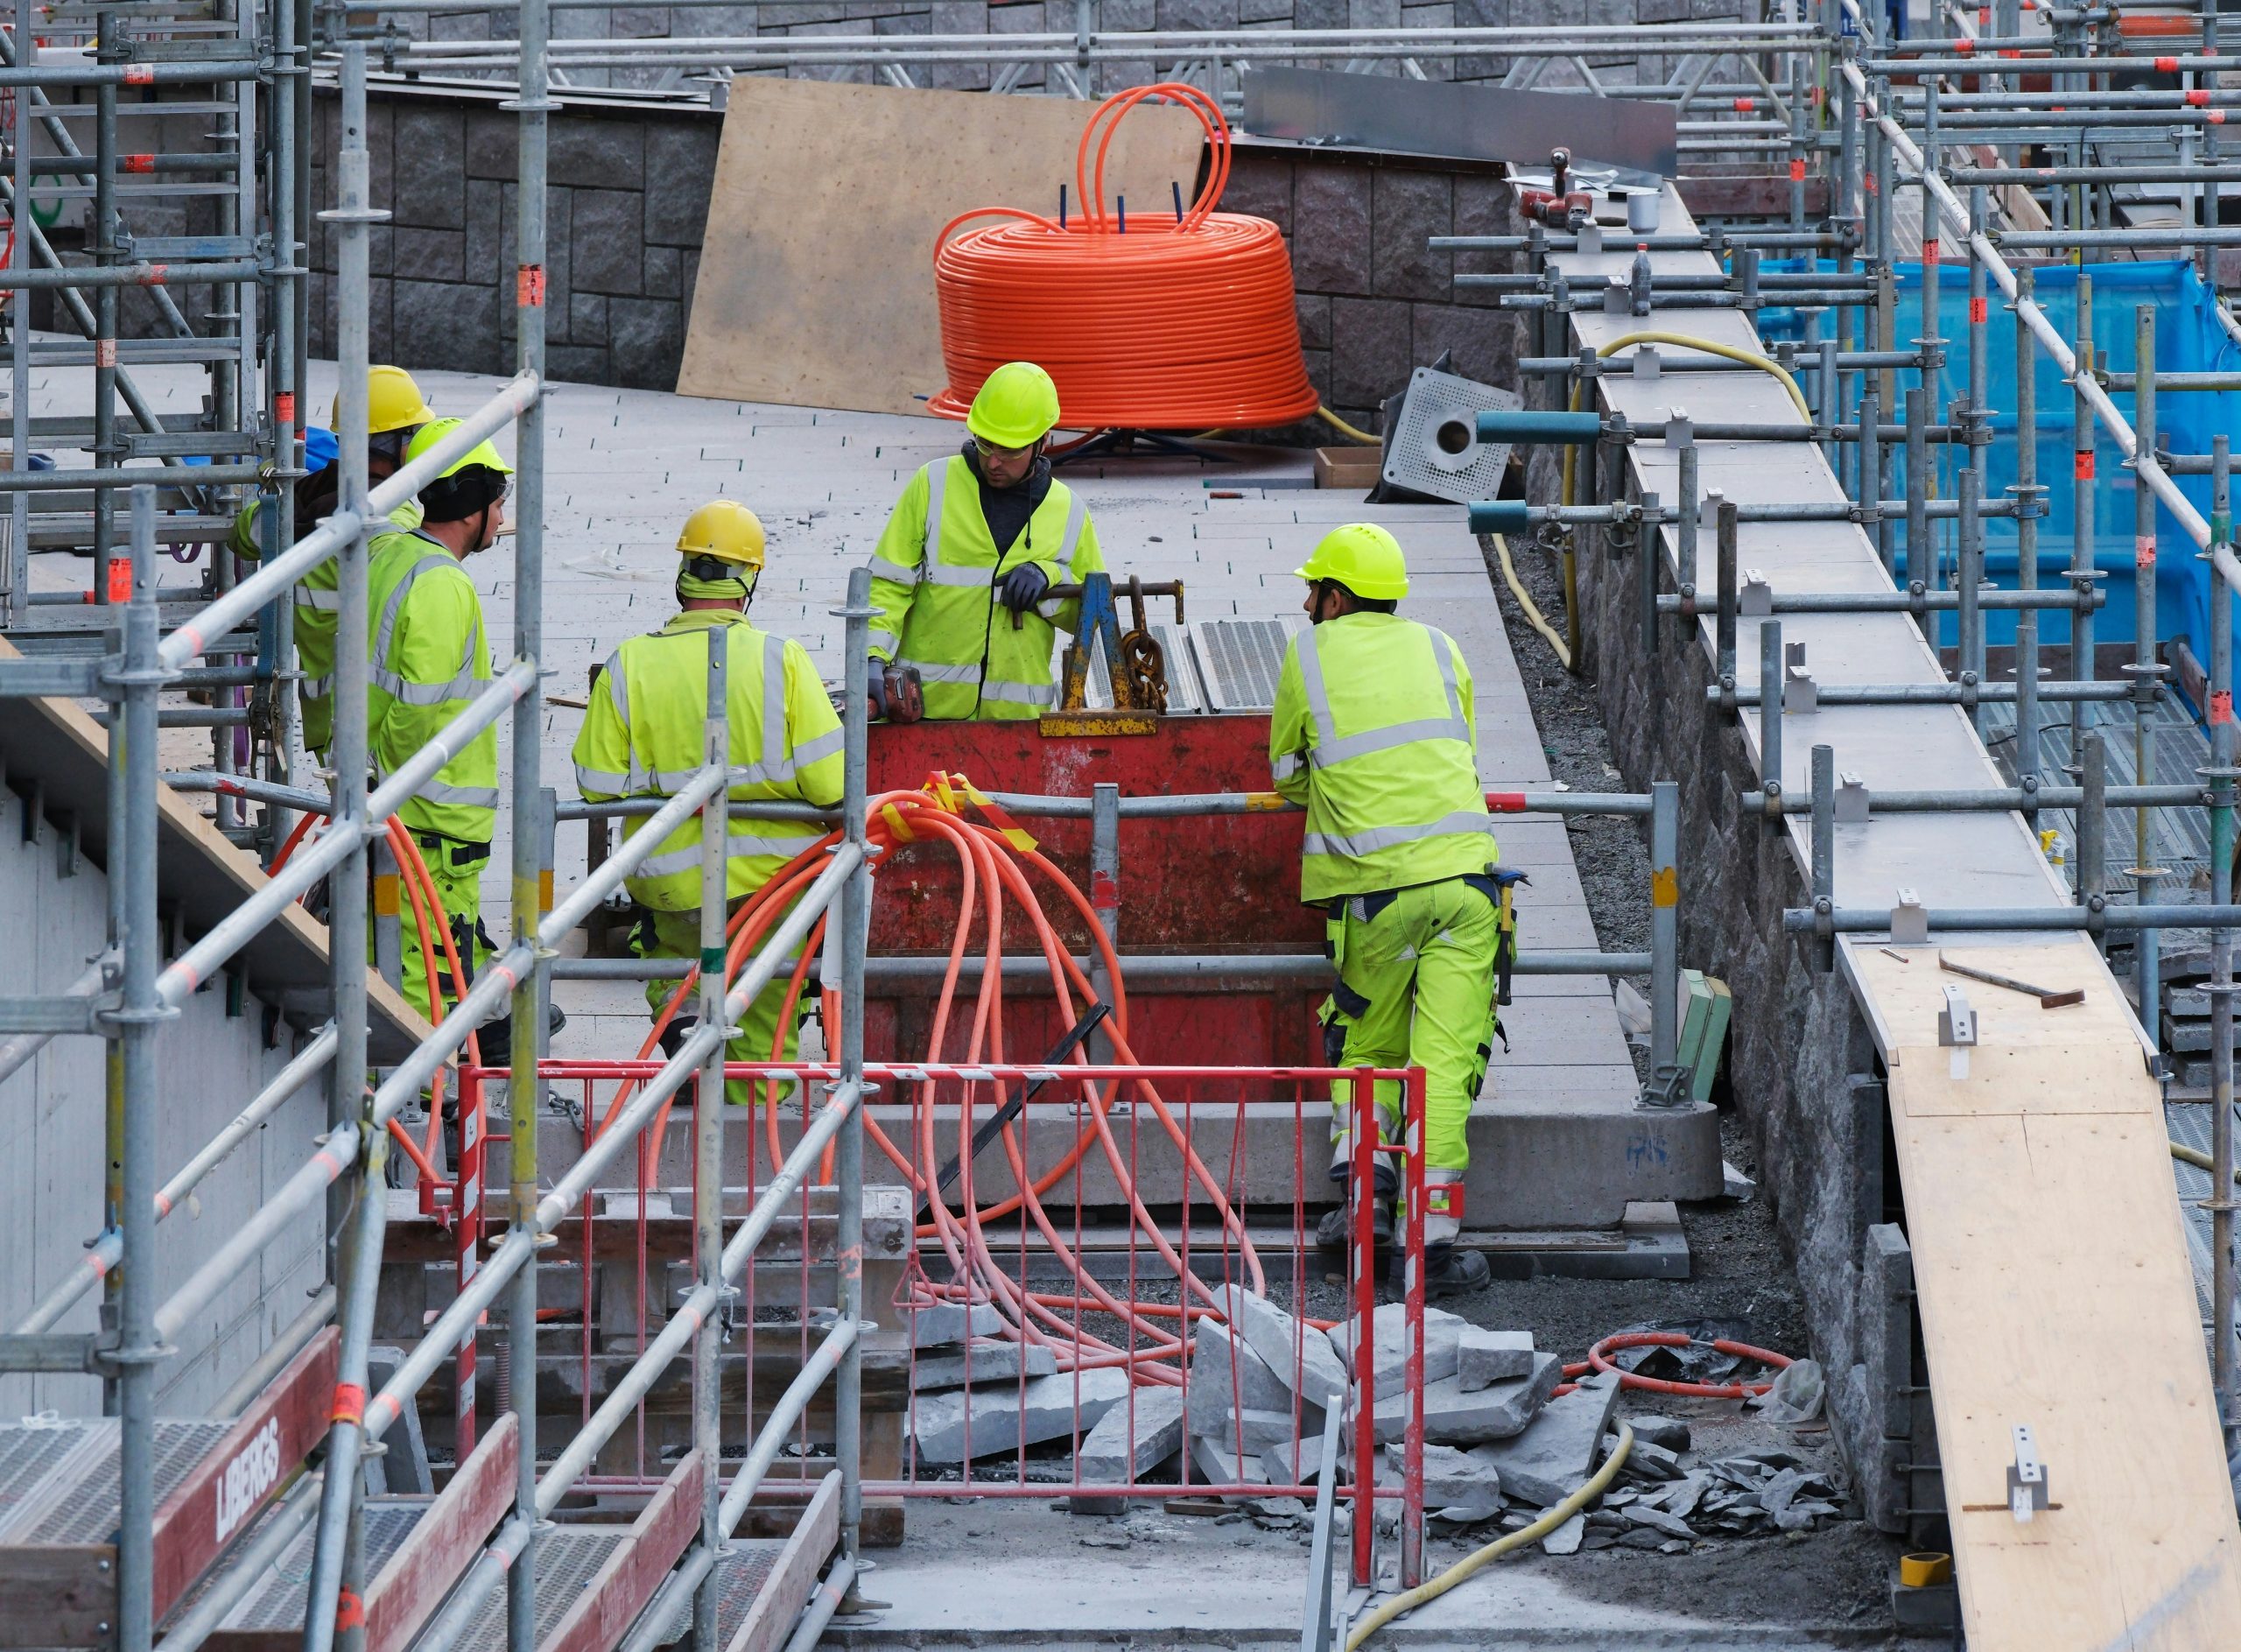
(1373, 731)
(644, 736)
(394, 410)
(430, 657)
(961, 574)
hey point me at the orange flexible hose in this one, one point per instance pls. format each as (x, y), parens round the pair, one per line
(991, 870)
(1145, 321)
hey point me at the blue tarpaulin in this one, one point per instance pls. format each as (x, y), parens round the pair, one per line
(2189, 338)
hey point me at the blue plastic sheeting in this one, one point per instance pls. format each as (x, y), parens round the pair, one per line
(2189, 338)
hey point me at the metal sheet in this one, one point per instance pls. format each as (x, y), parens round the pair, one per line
(1463, 122)
(1435, 447)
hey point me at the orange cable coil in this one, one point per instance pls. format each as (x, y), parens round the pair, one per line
(1154, 325)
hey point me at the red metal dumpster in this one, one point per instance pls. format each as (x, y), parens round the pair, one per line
(1206, 885)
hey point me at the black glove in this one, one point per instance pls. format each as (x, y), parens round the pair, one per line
(874, 689)
(1023, 587)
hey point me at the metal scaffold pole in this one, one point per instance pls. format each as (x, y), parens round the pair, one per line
(525, 1090)
(334, 1606)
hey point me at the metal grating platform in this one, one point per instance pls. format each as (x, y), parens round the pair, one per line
(33, 1455)
(740, 1577)
(568, 1558)
(1184, 693)
(70, 1496)
(1239, 660)
(276, 1600)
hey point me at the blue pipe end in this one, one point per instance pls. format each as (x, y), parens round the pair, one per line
(1530, 425)
(1500, 515)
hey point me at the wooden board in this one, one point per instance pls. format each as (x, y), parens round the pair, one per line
(421, 1573)
(816, 286)
(770, 1620)
(613, 1600)
(58, 747)
(2054, 1285)
(222, 1495)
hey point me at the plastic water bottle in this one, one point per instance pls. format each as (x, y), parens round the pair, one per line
(1639, 286)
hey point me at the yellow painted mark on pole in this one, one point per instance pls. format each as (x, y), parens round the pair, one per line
(1665, 887)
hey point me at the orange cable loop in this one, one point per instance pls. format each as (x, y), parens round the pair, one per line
(1160, 324)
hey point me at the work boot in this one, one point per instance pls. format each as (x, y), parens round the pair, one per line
(1449, 1270)
(1335, 1232)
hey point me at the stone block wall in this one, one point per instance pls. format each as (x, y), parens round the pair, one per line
(628, 203)
(1796, 1038)
(1374, 301)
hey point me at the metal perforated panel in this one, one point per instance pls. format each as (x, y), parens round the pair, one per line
(568, 1558)
(1435, 447)
(35, 1460)
(1239, 660)
(740, 1577)
(276, 1600)
(1183, 691)
(84, 1509)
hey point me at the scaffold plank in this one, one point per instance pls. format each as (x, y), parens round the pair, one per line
(2054, 1292)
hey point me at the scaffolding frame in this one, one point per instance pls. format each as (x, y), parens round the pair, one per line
(1836, 104)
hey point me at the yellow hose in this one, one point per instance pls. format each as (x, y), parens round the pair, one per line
(2200, 1161)
(1346, 430)
(1729, 352)
(1437, 1586)
(1534, 617)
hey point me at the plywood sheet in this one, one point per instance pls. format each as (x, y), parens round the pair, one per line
(816, 286)
(2054, 1290)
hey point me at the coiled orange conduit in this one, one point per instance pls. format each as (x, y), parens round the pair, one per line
(1153, 324)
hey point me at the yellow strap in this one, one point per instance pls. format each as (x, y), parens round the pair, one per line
(1012, 833)
(896, 824)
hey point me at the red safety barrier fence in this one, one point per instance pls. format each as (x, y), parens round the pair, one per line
(1085, 1226)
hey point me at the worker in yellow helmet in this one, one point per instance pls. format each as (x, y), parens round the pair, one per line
(643, 735)
(429, 656)
(961, 576)
(396, 411)
(1373, 731)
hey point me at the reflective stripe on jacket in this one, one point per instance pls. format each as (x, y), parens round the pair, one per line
(429, 658)
(645, 729)
(934, 579)
(1373, 731)
(317, 599)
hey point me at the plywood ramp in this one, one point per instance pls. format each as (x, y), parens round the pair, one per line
(2055, 1291)
(816, 286)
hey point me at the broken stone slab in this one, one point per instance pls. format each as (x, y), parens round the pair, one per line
(1215, 1466)
(1658, 1519)
(1668, 1431)
(1442, 1333)
(1450, 1476)
(1453, 1417)
(939, 1324)
(1300, 1463)
(1648, 1459)
(1129, 1441)
(1258, 1431)
(983, 1362)
(1226, 1377)
(1301, 1356)
(1003, 1419)
(1551, 1459)
(1486, 1357)
(1565, 1540)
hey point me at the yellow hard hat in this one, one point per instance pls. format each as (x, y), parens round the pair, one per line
(473, 482)
(482, 454)
(1017, 405)
(1362, 557)
(393, 402)
(725, 530)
